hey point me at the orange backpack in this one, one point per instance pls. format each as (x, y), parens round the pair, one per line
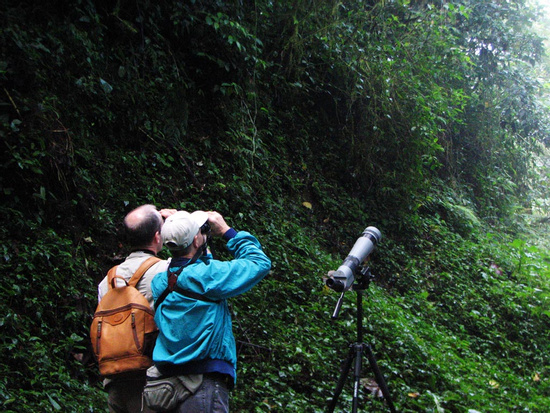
(123, 331)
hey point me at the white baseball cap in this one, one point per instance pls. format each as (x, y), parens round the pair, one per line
(180, 229)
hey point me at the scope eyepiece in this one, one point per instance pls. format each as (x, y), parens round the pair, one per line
(336, 285)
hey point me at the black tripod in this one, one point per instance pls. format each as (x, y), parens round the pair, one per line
(356, 349)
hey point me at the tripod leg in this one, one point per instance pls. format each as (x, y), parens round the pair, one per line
(346, 366)
(379, 378)
(357, 376)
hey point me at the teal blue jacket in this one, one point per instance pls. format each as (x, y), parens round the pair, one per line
(196, 336)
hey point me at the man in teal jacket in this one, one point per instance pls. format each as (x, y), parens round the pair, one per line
(195, 329)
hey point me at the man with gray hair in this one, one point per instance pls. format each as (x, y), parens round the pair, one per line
(142, 227)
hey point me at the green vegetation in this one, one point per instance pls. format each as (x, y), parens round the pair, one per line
(303, 122)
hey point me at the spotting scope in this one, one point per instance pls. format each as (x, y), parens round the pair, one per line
(342, 279)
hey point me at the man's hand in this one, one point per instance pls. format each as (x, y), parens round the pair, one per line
(217, 223)
(165, 213)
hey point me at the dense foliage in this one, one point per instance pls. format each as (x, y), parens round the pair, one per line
(302, 122)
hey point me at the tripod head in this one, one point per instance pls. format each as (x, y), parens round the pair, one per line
(363, 278)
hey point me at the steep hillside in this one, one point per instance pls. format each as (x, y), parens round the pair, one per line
(303, 124)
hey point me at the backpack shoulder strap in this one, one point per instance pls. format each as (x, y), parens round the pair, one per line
(173, 286)
(194, 295)
(172, 280)
(110, 276)
(148, 263)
